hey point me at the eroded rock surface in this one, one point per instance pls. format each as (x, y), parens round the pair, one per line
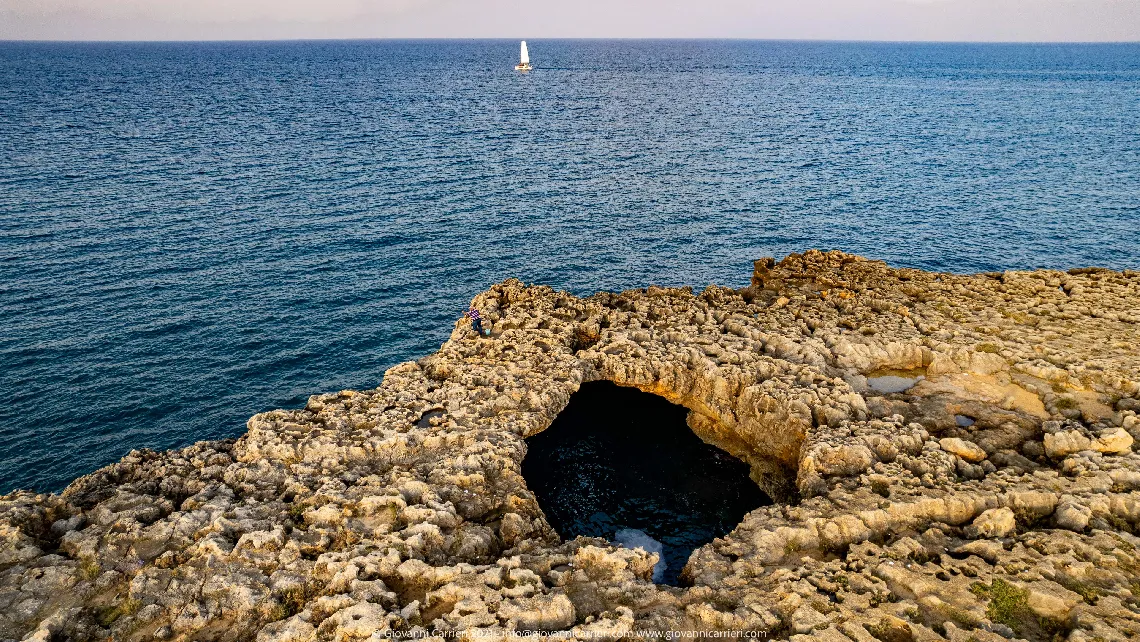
(995, 498)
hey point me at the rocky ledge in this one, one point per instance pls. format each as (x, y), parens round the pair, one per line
(992, 495)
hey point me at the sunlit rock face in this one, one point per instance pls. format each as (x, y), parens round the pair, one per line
(618, 461)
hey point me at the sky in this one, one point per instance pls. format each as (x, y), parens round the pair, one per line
(944, 20)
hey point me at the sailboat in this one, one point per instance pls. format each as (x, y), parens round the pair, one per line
(524, 62)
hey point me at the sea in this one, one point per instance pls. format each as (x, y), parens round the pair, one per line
(191, 233)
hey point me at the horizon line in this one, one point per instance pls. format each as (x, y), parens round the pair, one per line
(538, 39)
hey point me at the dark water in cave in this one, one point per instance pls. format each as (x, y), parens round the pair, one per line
(618, 461)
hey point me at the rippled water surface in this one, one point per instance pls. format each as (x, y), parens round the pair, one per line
(192, 233)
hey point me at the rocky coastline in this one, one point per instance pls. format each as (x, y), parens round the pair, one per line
(951, 457)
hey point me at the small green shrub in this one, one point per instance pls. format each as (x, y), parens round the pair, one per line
(297, 512)
(107, 616)
(293, 600)
(89, 569)
(1008, 605)
(1065, 403)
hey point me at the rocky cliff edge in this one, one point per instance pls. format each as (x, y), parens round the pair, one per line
(994, 495)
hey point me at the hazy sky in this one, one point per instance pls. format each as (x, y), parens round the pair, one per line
(1001, 20)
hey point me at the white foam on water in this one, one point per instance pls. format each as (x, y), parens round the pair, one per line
(633, 538)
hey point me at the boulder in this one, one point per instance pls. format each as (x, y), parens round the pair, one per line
(991, 524)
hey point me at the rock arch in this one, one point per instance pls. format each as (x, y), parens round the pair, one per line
(623, 464)
(730, 410)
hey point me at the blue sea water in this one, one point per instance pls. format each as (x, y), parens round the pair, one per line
(191, 233)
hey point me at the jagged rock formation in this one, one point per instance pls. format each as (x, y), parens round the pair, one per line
(995, 498)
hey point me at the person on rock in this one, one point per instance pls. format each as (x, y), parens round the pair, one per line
(476, 320)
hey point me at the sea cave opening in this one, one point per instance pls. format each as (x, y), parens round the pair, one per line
(623, 464)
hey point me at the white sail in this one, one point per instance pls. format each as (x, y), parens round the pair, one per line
(525, 54)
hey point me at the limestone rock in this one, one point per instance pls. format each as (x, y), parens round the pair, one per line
(1073, 516)
(967, 450)
(1050, 601)
(1063, 444)
(402, 511)
(1114, 441)
(544, 613)
(293, 629)
(995, 522)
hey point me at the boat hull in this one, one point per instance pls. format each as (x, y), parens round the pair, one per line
(523, 67)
